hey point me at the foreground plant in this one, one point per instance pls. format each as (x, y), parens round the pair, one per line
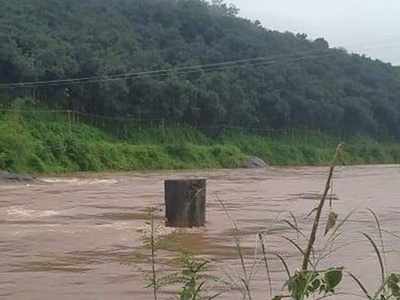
(193, 278)
(389, 290)
(193, 275)
(153, 246)
(307, 283)
(304, 284)
(390, 282)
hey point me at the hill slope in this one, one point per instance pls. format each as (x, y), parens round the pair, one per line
(305, 85)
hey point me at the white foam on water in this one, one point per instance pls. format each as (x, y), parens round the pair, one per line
(101, 181)
(60, 180)
(79, 181)
(160, 230)
(115, 225)
(17, 211)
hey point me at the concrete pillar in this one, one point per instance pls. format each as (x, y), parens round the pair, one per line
(185, 201)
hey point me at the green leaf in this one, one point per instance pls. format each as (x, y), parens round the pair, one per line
(315, 285)
(333, 278)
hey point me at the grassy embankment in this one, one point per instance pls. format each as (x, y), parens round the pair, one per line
(34, 145)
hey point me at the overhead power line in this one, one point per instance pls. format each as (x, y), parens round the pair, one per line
(258, 61)
(165, 75)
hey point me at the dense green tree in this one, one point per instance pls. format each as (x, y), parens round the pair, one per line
(306, 83)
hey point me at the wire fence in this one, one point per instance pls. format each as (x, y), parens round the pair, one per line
(123, 127)
(111, 124)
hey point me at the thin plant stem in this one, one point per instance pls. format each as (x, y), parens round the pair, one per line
(246, 280)
(153, 255)
(264, 252)
(379, 227)
(320, 207)
(360, 285)
(378, 254)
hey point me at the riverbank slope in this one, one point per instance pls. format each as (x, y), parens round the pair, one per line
(35, 145)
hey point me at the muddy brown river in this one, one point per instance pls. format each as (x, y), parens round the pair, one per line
(83, 236)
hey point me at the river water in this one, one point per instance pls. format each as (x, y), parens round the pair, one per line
(83, 236)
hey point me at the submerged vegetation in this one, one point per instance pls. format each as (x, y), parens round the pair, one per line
(30, 143)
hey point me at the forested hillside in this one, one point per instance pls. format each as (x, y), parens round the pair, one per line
(303, 84)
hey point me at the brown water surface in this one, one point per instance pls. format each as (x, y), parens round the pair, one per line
(81, 237)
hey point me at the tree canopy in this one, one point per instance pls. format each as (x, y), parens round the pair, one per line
(305, 84)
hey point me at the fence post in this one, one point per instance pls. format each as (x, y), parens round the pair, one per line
(163, 129)
(69, 121)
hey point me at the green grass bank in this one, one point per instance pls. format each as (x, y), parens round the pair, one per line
(55, 146)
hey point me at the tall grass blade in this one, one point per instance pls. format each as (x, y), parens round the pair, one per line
(198, 290)
(296, 224)
(378, 254)
(360, 285)
(295, 228)
(341, 294)
(215, 296)
(378, 225)
(341, 223)
(328, 252)
(246, 280)
(297, 246)
(153, 256)
(391, 233)
(285, 265)
(246, 285)
(264, 252)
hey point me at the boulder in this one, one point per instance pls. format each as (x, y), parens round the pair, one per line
(12, 177)
(254, 162)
